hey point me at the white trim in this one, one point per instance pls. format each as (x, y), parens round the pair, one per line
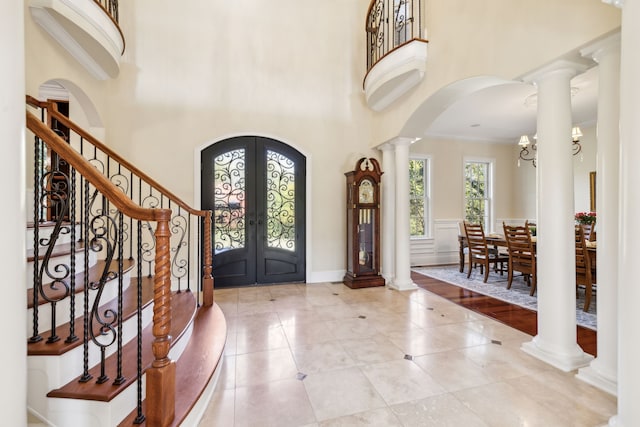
(80, 27)
(427, 158)
(395, 74)
(490, 184)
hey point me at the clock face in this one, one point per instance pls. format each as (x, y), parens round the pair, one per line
(365, 192)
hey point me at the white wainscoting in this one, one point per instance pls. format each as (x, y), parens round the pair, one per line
(443, 247)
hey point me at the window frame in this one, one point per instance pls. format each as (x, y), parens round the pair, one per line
(489, 196)
(426, 200)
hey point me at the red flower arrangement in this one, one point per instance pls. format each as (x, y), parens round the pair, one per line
(585, 217)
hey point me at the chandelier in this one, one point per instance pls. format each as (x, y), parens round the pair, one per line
(528, 149)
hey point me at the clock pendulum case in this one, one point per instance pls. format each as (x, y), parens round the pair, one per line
(363, 225)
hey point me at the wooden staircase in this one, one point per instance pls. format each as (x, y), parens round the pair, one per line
(112, 344)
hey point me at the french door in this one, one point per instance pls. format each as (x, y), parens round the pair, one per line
(255, 187)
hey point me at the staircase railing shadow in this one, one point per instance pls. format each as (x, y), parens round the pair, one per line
(111, 211)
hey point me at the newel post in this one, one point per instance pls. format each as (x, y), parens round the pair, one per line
(207, 278)
(161, 376)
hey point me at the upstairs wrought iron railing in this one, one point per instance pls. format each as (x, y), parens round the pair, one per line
(111, 7)
(390, 24)
(114, 218)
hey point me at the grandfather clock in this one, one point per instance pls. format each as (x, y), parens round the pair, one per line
(363, 225)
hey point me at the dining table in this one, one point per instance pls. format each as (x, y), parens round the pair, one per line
(498, 240)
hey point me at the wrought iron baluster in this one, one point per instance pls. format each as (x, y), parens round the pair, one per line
(104, 334)
(72, 216)
(85, 339)
(38, 166)
(120, 379)
(179, 231)
(140, 416)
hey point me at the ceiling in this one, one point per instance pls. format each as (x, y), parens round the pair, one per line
(504, 112)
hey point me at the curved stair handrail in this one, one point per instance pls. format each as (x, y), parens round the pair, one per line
(113, 193)
(52, 110)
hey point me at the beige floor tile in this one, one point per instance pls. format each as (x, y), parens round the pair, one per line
(325, 354)
(377, 417)
(335, 312)
(568, 398)
(257, 321)
(300, 334)
(495, 330)
(221, 409)
(401, 381)
(321, 357)
(374, 349)
(338, 393)
(502, 361)
(443, 410)
(227, 378)
(265, 366)
(457, 335)
(249, 341)
(417, 342)
(298, 315)
(453, 370)
(353, 328)
(276, 404)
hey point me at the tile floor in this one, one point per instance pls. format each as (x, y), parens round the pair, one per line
(327, 355)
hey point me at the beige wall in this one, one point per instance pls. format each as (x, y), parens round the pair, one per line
(198, 72)
(524, 178)
(447, 162)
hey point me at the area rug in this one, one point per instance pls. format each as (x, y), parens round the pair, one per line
(496, 287)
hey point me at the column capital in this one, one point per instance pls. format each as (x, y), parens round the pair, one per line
(616, 3)
(569, 67)
(398, 140)
(602, 47)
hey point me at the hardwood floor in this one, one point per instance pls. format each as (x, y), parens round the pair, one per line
(517, 317)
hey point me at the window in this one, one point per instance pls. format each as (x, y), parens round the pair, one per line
(419, 217)
(477, 192)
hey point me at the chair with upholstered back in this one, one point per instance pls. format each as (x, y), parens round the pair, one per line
(479, 252)
(583, 266)
(522, 254)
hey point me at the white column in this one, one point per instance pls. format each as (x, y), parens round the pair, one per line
(556, 341)
(13, 391)
(402, 279)
(603, 371)
(388, 212)
(629, 193)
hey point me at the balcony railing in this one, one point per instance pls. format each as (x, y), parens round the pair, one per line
(111, 7)
(390, 24)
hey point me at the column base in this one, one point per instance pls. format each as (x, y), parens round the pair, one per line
(402, 286)
(592, 376)
(566, 363)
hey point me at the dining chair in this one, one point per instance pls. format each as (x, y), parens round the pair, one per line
(583, 266)
(589, 232)
(522, 255)
(480, 253)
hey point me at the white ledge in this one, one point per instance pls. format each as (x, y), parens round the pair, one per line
(84, 29)
(395, 74)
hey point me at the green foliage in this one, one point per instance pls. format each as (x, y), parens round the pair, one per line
(416, 197)
(475, 192)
